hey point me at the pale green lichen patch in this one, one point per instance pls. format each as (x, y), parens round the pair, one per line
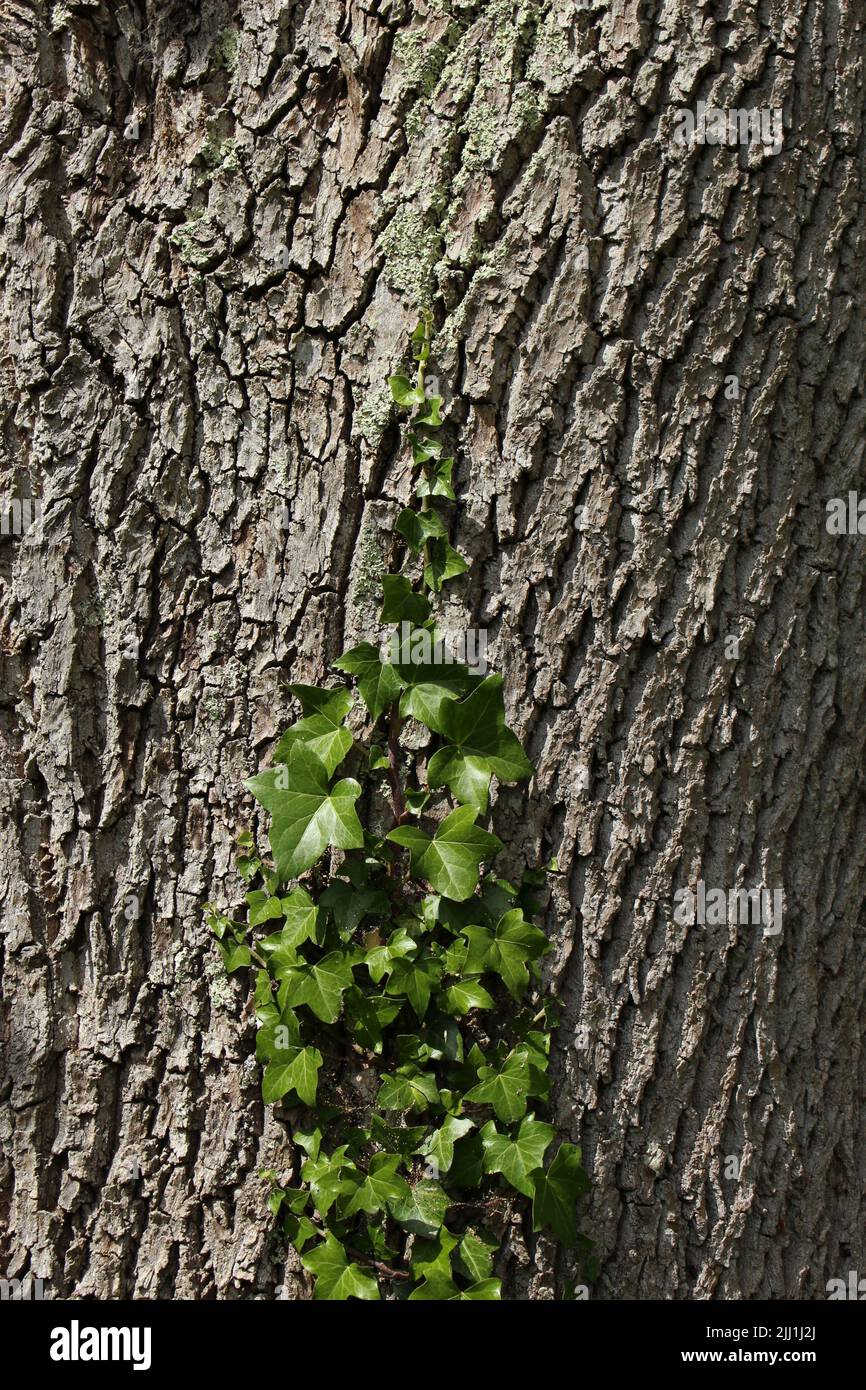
(372, 416)
(411, 249)
(369, 568)
(226, 48)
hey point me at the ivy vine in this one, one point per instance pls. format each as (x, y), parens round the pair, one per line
(397, 982)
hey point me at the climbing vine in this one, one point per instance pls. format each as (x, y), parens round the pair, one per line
(397, 979)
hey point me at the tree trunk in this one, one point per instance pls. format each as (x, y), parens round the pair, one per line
(217, 224)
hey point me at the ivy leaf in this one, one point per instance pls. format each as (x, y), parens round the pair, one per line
(423, 1211)
(505, 1087)
(350, 905)
(277, 1037)
(319, 986)
(482, 746)
(378, 682)
(431, 1259)
(440, 1145)
(450, 861)
(466, 995)
(322, 726)
(415, 979)
(556, 1192)
(300, 916)
(516, 1158)
(405, 1140)
(336, 1278)
(369, 1015)
(298, 1072)
(438, 482)
(408, 1089)
(307, 816)
(418, 527)
(425, 448)
(475, 1256)
(401, 603)
(431, 419)
(444, 1290)
(325, 1175)
(515, 942)
(263, 908)
(403, 393)
(443, 563)
(380, 1187)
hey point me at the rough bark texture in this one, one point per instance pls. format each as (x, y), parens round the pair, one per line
(217, 220)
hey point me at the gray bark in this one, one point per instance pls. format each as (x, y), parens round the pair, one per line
(216, 222)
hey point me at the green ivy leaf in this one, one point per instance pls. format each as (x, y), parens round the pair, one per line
(350, 905)
(378, 682)
(336, 1278)
(516, 1158)
(440, 1144)
(418, 527)
(402, 604)
(380, 1187)
(431, 1259)
(482, 746)
(505, 1087)
(299, 1072)
(322, 727)
(320, 986)
(408, 1089)
(403, 393)
(437, 481)
(415, 980)
(301, 917)
(451, 860)
(423, 1211)
(466, 995)
(515, 942)
(556, 1192)
(307, 816)
(475, 1256)
(443, 563)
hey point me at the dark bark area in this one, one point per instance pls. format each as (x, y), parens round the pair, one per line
(216, 222)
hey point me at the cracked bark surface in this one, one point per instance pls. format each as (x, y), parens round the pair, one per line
(215, 222)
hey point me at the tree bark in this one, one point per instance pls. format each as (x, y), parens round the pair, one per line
(218, 221)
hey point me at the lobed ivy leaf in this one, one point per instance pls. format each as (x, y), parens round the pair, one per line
(423, 1211)
(378, 682)
(440, 1144)
(475, 1255)
(408, 1089)
(443, 563)
(380, 1187)
(556, 1192)
(299, 1072)
(336, 1277)
(505, 1087)
(418, 527)
(437, 480)
(307, 815)
(403, 393)
(322, 727)
(320, 986)
(516, 1158)
(451, 860)
(401, 604)
(480, 746)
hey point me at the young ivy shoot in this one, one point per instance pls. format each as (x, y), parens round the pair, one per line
(400, 1018)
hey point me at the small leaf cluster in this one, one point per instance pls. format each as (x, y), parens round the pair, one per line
(397, 976)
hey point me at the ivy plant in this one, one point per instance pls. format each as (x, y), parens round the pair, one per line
(401, 1022)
